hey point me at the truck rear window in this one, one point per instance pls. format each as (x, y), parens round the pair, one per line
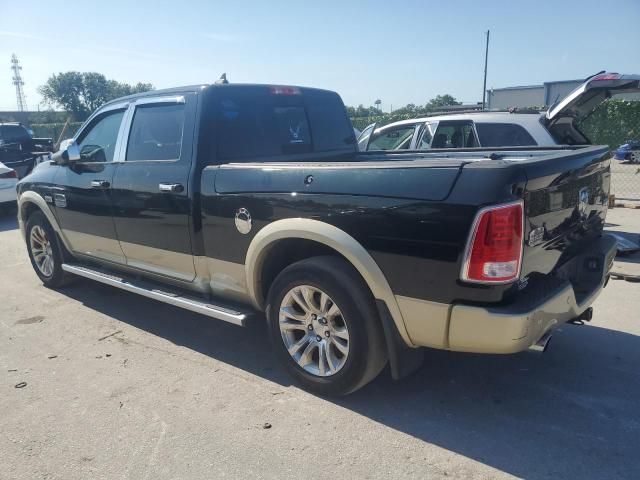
(257, 123)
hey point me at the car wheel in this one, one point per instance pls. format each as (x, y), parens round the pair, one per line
(324, 326)
(45, 252)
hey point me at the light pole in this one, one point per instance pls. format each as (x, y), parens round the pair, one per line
(484, 84)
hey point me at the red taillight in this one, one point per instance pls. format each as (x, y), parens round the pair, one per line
(606, 76)
(494, 250)
(285, 90)
(9, 174)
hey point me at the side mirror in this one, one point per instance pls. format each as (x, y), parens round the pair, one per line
(69, 153)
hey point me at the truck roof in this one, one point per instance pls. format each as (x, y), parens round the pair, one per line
(202, 86)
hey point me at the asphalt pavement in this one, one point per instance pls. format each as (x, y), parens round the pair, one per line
(96, 383)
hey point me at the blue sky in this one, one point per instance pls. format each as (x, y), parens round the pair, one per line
(399, 51)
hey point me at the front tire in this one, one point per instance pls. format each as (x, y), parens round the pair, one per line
(45, 252)
(324, 326)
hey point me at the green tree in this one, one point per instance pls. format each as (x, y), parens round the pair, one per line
(80, 93)
(441, 101)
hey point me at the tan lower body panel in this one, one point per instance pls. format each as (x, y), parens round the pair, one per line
(426, 322)
(466, 328)
(228, 280)
(157, 260)
(497, 330)
(95, 246)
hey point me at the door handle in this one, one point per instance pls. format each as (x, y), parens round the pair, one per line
(100, 184)
(171, 187)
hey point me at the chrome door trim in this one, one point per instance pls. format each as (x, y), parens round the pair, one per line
(100, 111)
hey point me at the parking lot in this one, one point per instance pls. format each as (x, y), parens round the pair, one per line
(118, 386)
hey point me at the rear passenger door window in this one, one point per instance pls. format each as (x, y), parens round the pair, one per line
(454, 134)
(504, 135)
(156, 132)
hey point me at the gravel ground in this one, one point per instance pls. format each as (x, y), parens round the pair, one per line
(122, 387)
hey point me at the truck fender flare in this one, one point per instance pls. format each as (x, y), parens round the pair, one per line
(332, 237)
(37, 200)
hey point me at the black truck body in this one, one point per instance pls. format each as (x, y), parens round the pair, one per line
(236, 186)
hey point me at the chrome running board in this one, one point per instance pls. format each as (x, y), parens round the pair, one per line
(159, 292)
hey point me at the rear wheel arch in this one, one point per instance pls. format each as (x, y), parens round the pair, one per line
(319, 238)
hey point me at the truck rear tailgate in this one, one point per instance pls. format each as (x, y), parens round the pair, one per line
(566, 200)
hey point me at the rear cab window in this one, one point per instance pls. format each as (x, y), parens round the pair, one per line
(275, 121)
(504, 135)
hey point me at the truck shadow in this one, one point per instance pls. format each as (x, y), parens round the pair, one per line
(8, 221)
(573, 412)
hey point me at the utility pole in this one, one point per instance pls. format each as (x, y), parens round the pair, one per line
(484, 84)
(17, 81)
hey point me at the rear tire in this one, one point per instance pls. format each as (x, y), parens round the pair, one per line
(45, 252)
(321, 310)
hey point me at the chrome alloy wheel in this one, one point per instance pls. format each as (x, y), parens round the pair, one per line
(41, 250)
(314, 331)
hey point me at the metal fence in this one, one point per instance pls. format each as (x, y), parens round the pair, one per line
(625, 180)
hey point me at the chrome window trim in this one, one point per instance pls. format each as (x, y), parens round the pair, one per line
(125, 106)
(100, 111)
(128, 121)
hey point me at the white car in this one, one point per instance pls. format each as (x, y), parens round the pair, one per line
(8, 182)
(557, 126)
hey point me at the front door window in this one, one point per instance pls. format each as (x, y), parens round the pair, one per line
(97, 143)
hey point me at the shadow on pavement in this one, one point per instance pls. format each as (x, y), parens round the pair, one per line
(573, 412)
(8, 221)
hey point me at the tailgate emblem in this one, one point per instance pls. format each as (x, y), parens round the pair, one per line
(583, 201)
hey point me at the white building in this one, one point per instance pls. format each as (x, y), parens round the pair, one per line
(530, 95)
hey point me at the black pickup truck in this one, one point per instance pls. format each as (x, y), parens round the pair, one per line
(19, 149)
(230, 200)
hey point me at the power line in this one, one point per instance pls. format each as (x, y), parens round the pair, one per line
(19, 83)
